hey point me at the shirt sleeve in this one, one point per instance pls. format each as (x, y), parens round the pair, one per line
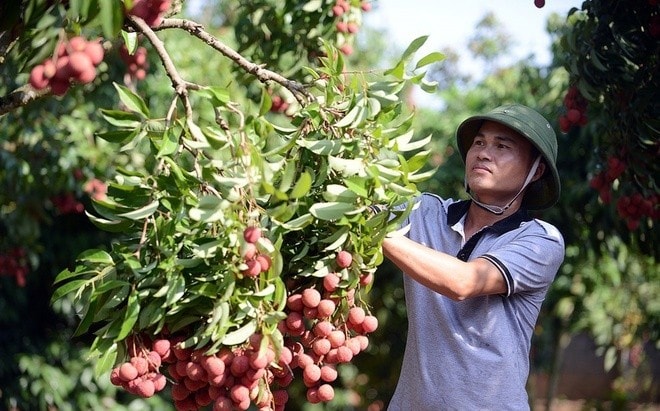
(529, 262)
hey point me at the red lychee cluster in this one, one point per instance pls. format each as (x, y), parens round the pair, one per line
(75, 62)
(96, 189)
(631, 208)
(635, 207)
(151, 11)
(324, 329)
(347, 24)
(137, 62)
(66, 203)
(231, 379)
(14, 263)
(278, 104)
(321, 330)
(141, 374)
(602, 182)
(256, 262)
(576, 107)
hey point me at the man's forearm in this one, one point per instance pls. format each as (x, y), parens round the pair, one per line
(443, 273)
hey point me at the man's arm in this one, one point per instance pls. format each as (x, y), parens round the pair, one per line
(443, 273)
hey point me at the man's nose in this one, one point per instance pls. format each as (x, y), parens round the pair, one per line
(483, 152)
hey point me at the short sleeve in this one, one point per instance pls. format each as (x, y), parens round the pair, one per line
(530, 261)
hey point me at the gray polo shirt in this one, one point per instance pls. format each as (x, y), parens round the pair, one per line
(474, 354)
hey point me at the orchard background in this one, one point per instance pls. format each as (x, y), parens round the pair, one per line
(185, 198)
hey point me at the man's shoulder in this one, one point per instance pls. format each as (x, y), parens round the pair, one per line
(547, 228)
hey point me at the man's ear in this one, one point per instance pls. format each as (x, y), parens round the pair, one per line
(539, 171)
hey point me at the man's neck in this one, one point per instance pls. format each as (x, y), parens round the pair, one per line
(478, 218)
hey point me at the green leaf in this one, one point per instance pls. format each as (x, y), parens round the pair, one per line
(298, 223)
(119, 118)
(347, 167)
(357, 185)
(418, 177)
(132, 101)
(401, 190)
(112, 226)
(67, 288)
(413, 47)
(430, 59)
(268, 290)
(151, 314)
(288, 175)
(208, 249)
(312, 6)
(200, 140)
(410, 146)
(284, 147)
(337, 239)
(117, 297)
(330, 211)
(266, 103)
(111, 18)
(209, 209)
(176, 290)
(354, 116)
(397, 71)
(240, 335)
(131, 317)
(131, 40)
(429, 86)
(218, 95)
(87, 318)
(142, 212)
(96, 256)
(322, 147)
(118, 136)
(302, 187)
(106, 361)
(66, 274)
(338, 192)
(168, 144)
(373, 107)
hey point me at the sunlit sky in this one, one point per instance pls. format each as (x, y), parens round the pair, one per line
(452, 23)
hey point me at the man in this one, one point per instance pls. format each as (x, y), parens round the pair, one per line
(477, 271)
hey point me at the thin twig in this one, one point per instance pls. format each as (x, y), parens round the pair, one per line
(180, 86)
(264, 75)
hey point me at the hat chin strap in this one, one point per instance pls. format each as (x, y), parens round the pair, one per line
(500, 210)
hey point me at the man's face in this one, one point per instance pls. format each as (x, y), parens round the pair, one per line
(497, 163)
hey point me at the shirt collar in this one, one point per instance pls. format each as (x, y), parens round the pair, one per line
(457, 210)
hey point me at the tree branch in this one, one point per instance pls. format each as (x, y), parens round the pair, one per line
(264, 75)
(20, 97)
(180, 86)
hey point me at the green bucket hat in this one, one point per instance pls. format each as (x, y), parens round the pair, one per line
(543, 192)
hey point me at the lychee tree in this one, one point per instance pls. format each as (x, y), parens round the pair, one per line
(244, 242)
(610, 50)
(610, 119)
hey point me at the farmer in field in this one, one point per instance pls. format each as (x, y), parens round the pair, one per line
(477, 271)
